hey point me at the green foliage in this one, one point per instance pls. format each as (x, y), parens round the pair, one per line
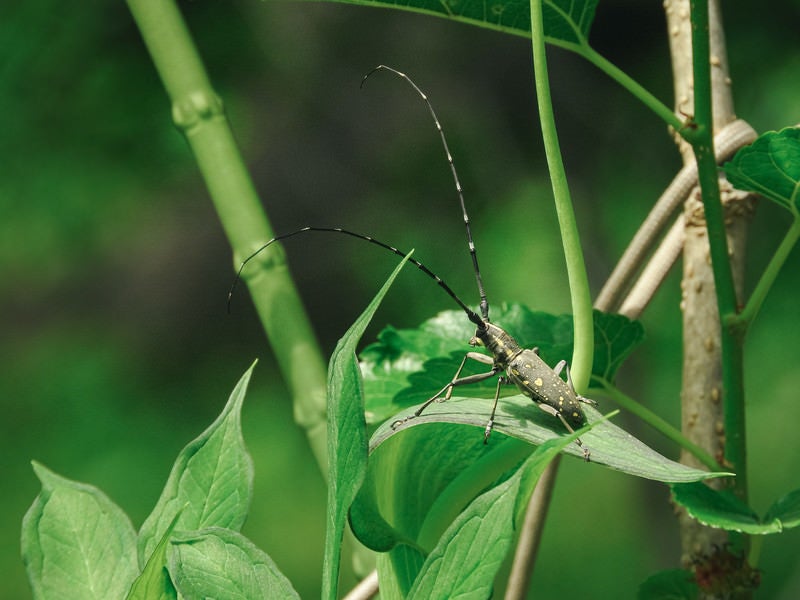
(724, 510)
(672, 584)
(564, 21)
(407, 367)
(347, 437)
(76, 543)
(770, 166)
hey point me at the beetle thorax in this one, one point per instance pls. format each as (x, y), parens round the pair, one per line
(495, 339)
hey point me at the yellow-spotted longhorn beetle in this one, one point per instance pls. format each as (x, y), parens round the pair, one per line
(514, 364)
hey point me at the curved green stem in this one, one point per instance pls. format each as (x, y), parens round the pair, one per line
(576, 270)
(657, 423)
(746, 317)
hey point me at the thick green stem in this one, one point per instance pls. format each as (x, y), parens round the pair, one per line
(732, 338)
(198, 112)
(576, 270)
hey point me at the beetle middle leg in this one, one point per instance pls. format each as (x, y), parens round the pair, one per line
(456, 380)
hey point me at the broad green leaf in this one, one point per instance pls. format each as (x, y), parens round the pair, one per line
(347, 437)
(154, 583)
(224, 565)
(770, 166)
(76, 543)
(211, 481)
(565, 21)
(407, 367)
(723, 510)
(672, 584)
(465, 561)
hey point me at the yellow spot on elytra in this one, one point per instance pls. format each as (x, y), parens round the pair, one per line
(538, 382)
(526, 382)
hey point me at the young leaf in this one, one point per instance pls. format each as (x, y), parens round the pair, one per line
(347, 437)
(223, 564)
(76, 543)
(565, 21)
(770, 166)
(672, 584)
(466, 558)
(720, 509)
(786, 510)
(211, 480)
(154, 583)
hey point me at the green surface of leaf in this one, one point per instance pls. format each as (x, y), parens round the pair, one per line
(786, 510)
(224, 565)
(721, 509)
(465, 560)
(76, 543)
(347, 437)
(154, 582)
(672, 584)
(211, 481)
(565, 21)
(770, 166)
(406, 367)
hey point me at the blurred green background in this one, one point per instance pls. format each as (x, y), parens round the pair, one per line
(116, 348)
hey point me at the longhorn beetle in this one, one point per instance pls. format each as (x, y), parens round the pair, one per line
(520, 366)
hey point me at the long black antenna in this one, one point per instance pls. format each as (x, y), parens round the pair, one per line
(471, 244)
(472, 315)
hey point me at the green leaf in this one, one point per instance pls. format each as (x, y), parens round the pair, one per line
(465, 561)
(211, 480)
(223, 564)
(721, 509)
(406, 367)
(347, 437)
(76, 543)
(770, 166)
(565, 21)
(154, 583)
(786, 510)
(519, 417)
(672, 584)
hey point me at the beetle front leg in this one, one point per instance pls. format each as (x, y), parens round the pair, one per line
(457, 380)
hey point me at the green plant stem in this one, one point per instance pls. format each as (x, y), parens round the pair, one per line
(576, 270)
(731, 338)
(657, 423)
(746, 317)
(199, 114)
(636, 90)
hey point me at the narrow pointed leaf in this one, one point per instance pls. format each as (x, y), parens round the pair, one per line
(347, 441)
(770, 166)
(211, 481)
(224, 565)
(76, 543)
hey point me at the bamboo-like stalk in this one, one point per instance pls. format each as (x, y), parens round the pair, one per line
(199, 114)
